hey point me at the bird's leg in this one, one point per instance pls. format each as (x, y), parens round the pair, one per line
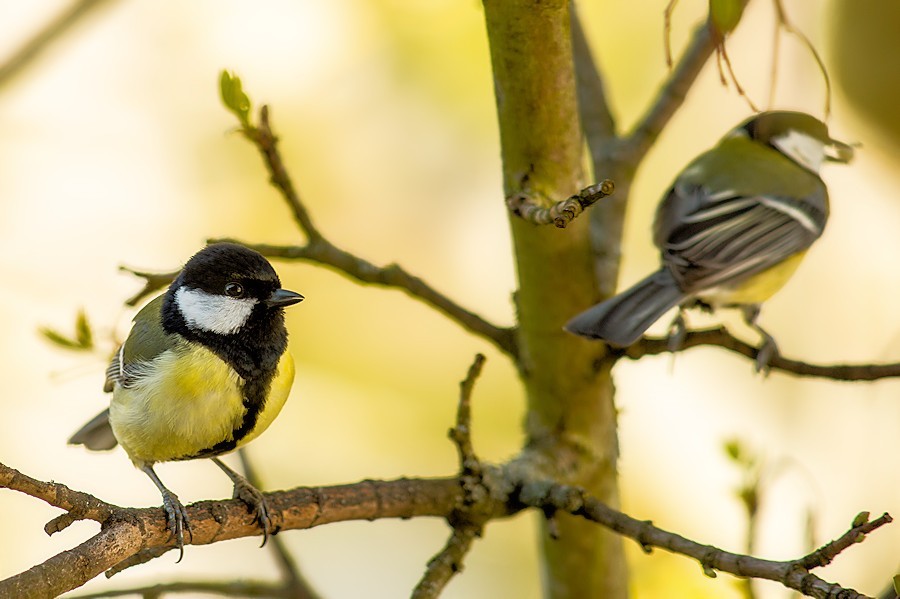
(176, 515)
(677, 331)
(768, 349)
(250, 495)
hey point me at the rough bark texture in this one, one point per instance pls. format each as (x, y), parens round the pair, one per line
(571, 422)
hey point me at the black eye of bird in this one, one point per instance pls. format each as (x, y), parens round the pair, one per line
(234, 289)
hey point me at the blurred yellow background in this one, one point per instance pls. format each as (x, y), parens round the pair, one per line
(114, 150)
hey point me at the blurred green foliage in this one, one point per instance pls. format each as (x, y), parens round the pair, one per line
(864, 43)
(83, 339)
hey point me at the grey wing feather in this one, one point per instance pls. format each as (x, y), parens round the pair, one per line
(730, 239)
(96, 434)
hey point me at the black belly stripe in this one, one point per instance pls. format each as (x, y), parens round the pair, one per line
(254, 355)
(256, 391)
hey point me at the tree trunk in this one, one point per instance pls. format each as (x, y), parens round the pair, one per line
(571, 422)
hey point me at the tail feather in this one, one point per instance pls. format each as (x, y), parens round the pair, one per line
(96, 434)
(623, 318)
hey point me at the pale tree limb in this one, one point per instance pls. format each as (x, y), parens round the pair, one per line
(503, 494)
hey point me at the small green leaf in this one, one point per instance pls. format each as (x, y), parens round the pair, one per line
(59, 339)
(234, 98)
(83, 334)
(725, 14)
(82, 341)
(861, 518)
(734, 450)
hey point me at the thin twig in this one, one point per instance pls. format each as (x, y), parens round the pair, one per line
(860, 527)
(467, 521)
(153, 282)
(461, 434)
(318, 249)
(41, 40)
(782, 21)
(448, 562)
(720, 337)
(793, 574)
(669, 98)
(267, 144)
(563, 212)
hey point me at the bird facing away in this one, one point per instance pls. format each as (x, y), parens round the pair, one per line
(731, 229)
(204, 370)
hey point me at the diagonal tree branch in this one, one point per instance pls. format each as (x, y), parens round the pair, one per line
(669, 98)
(321, 251)
(720, 337)
(318, 249)
(52, 31)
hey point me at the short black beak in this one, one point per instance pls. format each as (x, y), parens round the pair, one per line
(839, 152)
(282, 297)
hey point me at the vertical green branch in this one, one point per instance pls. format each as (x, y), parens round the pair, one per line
(571, 425)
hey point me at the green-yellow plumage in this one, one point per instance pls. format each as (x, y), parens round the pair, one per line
(190, 401)
(731, 229)
(204, 370)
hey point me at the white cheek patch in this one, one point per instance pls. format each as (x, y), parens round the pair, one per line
(805, 149)
(213, 313)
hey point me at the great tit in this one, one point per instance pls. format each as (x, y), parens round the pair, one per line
(731, 229)
(204, 370)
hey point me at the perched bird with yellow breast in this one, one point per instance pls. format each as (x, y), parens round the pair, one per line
(731, 229)
(204, 370)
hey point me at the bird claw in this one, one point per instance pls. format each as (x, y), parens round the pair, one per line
(252, 496)
(176, 514)
(255, 500)
(768, 349)
(177, 521)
